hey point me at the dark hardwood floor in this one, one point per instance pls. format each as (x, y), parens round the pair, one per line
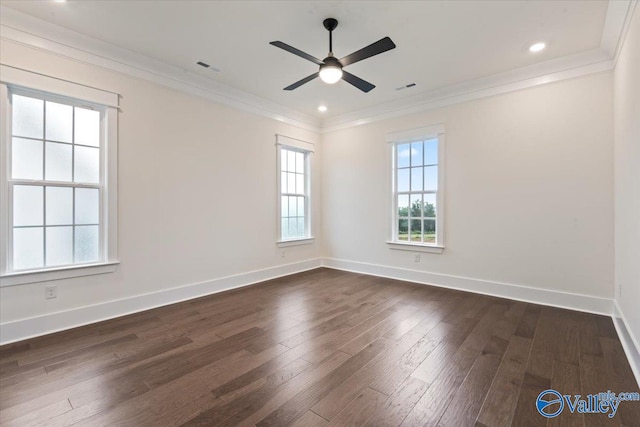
(321, 348)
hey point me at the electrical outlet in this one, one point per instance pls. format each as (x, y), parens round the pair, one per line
(51, 292)
(416, 258)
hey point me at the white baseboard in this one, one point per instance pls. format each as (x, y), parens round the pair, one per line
(579, 302)
(41, 325)
(46, 324)
(629, 343)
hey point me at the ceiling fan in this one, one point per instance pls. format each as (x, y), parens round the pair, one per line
(331, 69)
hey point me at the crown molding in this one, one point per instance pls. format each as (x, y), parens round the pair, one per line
(616, 26)
(617, 23)
(36, 33)
(569, 67)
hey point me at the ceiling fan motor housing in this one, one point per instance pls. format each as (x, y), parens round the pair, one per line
(330, 23)
(330, 61)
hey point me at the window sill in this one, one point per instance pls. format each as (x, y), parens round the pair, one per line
(34, 276)
(415, 247)
(296, 242)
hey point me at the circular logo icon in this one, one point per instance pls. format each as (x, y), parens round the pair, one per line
(547, 401)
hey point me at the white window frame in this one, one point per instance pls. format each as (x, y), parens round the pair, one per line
(307, 149)
(414, 135)
(27, 83)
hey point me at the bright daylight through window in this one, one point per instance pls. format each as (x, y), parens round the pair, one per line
(416, 191)
(294, 193)
(55, 185)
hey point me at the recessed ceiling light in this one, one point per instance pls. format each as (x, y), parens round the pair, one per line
(59, 1)
(537, 47)
(322, 108)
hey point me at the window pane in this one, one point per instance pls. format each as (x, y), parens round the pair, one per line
(86, 243)
(292, 206)
(403, 205)
(431, 178)
(291, 182)
(58, 162)
(87, 206)
(301, 206)
(291, 160)
(28, 117)
(59, 245)
(403, 229)
(59, 206)
(87, 164)
(429, 230)
(284, 206)
(416, 230)
(299, 183)
(301, 232)
(26, 159)
(87, 127)
(283, 182)
(293, 228)
(416, 205)
(297, 230)
(416, 179)
(431, 152)
(28, 205)
(283, 159)
(299, 162)
(284, 228)
(28, 248)
(59, 122)
(403, 179)
(430, 205)
(404, 153)
(416, 154)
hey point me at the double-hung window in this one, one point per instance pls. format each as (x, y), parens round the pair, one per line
(417, 164)
(58, 183)
(294, 189)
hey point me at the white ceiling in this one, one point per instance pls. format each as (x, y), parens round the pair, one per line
(439, 43)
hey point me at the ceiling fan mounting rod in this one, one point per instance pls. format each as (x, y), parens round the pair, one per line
(330, 24)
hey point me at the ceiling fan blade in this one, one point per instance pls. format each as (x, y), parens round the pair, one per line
(373, 49)
(303, 81)
(297, 52)
(363, 85)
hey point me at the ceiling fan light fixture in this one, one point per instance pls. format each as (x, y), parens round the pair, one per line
(330, 74)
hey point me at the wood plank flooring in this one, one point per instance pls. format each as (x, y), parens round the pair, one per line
(321, 348)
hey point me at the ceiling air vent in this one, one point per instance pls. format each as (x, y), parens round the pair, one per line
(405, 86)
(205, 65)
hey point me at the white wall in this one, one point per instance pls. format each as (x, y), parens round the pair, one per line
(627, 181)
(197, 192)
(529, 190)
(529, 193)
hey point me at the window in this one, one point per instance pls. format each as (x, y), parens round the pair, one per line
(294, 189)
(417, 187)
(58, 212)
